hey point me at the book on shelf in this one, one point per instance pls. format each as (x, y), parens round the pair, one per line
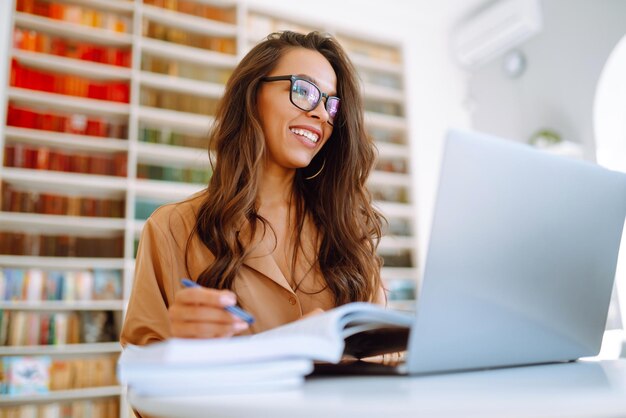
(30, 117)
(4, 326)
(27, 375)
(281, 356)
(76, 14)
(35, 41)
(224, 13)
(35, 285)
(16, 243)
(92, 408)
(42, 158)
(84, 372)
(26, 328)
(34, 79)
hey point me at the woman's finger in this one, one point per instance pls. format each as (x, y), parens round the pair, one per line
(189, 329)
(200, 313)
(205, 296)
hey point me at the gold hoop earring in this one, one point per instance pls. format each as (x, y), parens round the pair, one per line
(318, 173)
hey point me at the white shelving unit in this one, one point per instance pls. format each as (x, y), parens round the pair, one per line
(63, 395)
(60, 306)
(161, 63)
(61, 350)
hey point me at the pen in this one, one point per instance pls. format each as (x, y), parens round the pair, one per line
(235, 310)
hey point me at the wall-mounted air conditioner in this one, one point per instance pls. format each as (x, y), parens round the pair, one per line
(494, 29)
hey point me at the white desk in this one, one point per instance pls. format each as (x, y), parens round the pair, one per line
(582, 389)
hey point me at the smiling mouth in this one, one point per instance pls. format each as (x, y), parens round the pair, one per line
(313, 137)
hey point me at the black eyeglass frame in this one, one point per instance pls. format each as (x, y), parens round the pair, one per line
(293, 78)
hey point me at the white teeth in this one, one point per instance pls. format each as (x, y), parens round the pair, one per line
(313, 137)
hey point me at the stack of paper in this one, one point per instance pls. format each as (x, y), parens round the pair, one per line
(200, 367)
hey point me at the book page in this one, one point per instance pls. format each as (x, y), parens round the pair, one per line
(356, 322)
(324, 325)
(342, 322)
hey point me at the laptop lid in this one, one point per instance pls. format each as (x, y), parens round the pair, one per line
(521, 258)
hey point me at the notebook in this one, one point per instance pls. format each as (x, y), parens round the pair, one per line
(521, 259)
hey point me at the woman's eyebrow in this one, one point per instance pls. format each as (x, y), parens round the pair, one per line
(314, 81)
(307, 77)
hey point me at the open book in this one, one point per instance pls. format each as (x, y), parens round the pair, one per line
(356, 329)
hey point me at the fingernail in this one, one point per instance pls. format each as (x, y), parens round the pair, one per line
(240, 326)
(227, 299)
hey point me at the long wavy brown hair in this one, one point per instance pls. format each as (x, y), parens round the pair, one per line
(337, 200)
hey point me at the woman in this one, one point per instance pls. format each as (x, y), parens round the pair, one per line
(285, 227)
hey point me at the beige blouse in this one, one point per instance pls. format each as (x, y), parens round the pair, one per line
(261, 288)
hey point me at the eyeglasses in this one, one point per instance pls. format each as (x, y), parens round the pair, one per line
(306, 96)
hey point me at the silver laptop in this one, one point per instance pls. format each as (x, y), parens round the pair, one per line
(521, 259)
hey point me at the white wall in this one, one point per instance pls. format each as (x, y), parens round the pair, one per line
(437, 89)
(557, 91)
(564, 63)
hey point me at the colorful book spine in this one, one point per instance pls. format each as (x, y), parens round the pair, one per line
(33, 285)
(40, 285)
(76, 14)
(170, 34)
(17, 243)
(169, 137)
(96, 408)
(175, 174)
(34, 79)
(35, 41)
(26, 328)
(43, 158)
(27, 375)
(195, 8)
(73, 123)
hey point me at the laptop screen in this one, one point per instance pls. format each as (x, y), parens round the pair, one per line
(521, 258)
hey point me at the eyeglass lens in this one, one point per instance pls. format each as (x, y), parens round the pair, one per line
(306, 96)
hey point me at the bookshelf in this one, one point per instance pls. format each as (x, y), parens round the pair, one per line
(106, 108)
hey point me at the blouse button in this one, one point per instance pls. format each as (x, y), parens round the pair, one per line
(292, 300)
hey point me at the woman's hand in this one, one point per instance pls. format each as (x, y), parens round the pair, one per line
(198, 312)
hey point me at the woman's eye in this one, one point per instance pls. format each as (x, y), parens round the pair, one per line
(302, 91)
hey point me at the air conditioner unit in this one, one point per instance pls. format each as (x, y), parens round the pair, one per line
(499, 27)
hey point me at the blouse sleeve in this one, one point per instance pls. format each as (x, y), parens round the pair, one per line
(147, 317)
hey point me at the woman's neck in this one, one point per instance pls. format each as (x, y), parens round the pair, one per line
(276, 188)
